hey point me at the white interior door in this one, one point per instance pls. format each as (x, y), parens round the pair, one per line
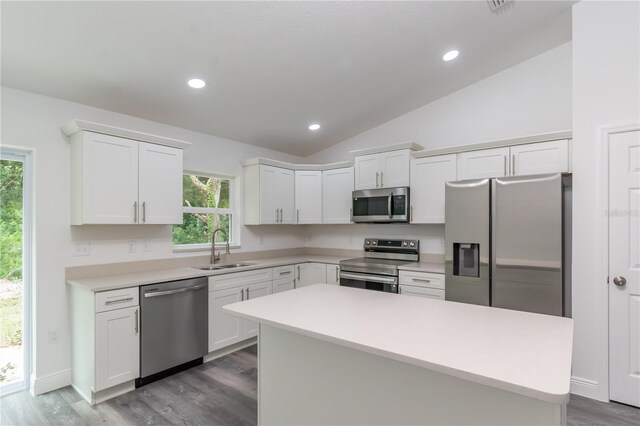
(624, 268)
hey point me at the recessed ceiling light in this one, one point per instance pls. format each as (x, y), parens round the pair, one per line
(450, 55)
(196, 83)
(314, 126)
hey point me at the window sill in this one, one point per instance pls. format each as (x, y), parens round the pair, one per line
(206, 248)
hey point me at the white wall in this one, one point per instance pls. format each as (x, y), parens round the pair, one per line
(606, 92)
(530, 98)
(33, 122)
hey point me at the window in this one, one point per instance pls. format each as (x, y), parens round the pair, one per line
(207, 206)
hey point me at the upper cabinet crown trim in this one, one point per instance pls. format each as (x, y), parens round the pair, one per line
(379, 149)
(542, 137)
(300, 167)
(76, 125)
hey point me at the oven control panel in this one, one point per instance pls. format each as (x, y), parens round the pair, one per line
(377, 244)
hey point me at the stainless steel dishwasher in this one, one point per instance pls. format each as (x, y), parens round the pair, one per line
(174, 327)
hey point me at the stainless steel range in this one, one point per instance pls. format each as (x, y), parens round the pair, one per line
(378, 269)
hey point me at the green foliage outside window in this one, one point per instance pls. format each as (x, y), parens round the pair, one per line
(11, 220)
(205, 200)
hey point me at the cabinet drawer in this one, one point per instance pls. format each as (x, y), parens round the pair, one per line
(283, 272)
(283, 284)
(422, 279)
(116, 299)
(219, 282)
(430, 293)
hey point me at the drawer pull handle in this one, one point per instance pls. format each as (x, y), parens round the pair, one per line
(110, 302)
(421, 280)
(285, 272)
(136, 321)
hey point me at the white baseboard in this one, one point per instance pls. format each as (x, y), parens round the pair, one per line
(40, 385)
(587, 388)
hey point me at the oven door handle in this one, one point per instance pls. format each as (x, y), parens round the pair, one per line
(372, 278)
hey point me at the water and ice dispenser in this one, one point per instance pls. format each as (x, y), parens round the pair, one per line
(466, 259)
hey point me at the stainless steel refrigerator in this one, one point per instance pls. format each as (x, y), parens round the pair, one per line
(508, 243)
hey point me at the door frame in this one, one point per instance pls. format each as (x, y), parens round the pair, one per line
(26, 157)
(605, 138)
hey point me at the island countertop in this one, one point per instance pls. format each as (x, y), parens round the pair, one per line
(528, 354)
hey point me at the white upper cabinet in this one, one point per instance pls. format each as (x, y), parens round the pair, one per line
(268, 195)
(115, 180)
(160, 184)
(337, 186)
(308, 197)
(537, 158)
(486, 163)
(395, 168)
(384, 170)
(428, 177)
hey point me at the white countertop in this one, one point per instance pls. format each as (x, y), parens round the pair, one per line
(116, 281)
(524, 353)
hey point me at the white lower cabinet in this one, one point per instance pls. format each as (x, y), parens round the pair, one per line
(225, 329)
(105, 342)
(310, 273)
(422, 284)
(333, 274)
(117, 347)
(283, 278)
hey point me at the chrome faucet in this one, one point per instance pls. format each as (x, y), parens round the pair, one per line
(215, 257)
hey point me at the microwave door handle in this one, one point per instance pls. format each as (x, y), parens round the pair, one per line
(389, 206)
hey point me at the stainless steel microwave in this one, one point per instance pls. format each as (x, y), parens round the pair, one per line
(381, 205)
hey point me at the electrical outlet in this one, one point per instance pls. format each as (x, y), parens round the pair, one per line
(81, 248)
(441, 242)
(53, 336)
(146, 246)
(132, 246)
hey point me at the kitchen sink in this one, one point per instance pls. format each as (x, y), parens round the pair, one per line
(218, 267)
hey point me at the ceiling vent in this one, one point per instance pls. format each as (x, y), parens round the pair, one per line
(498, 6)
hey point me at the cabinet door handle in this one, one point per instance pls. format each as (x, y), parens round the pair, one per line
(399, 289)
(338, 274)
(242, 294)
(135, 212)
(247, 293)
(513, 164)
(294, 283)
(110, 302)
(505, 165)
(411, 215)
(136, 321)
(276, 215)
(298, 272)
(297, 215)
(144, 211)
(381, 180)
(377, 179)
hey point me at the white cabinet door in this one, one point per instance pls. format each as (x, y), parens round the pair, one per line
(283, 284)
(160, 184)
(109, 182)
(284, 191)
(333, 274)
(269, 194)
(430, 293)
(308, 198)
(537, 158)
(310, 273)
(428, 177)
(224, 329)
(337, 187)
(367, 171)
(395, 168)
(253, 292)
(117, 347)
(486, 163)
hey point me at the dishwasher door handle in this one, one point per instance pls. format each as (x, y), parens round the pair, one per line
(178, 290)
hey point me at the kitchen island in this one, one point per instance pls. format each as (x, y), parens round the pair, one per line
(337, 355)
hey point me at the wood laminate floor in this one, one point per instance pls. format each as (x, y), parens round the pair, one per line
(220, 392)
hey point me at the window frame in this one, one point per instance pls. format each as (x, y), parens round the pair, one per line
(232, 211)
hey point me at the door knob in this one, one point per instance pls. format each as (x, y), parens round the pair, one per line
(620, 281)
